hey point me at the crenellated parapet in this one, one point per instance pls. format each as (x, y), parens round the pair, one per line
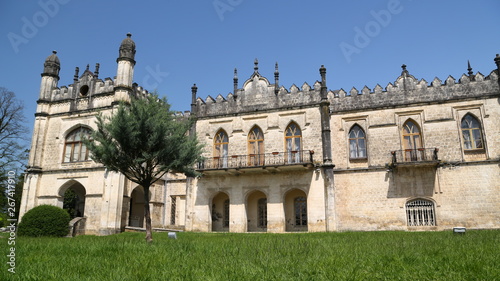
(407, 90)
(258, 94)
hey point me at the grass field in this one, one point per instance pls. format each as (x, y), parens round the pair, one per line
(291, 256)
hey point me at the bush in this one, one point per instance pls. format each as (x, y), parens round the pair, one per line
(45, 220)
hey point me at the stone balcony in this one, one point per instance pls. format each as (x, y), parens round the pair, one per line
(415, 157)
(271, 161)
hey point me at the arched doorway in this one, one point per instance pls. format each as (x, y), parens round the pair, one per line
(136, 214)
(220, 212)
(74, 199)
(296, 210)
(256, 211)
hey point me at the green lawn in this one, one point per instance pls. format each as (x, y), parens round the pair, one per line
(258, 256)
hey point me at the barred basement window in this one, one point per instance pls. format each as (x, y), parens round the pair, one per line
(172, 210)
(420, 212)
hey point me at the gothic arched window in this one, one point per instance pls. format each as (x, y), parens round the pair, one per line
(412, 141)
(471, 133)
(293, 139)
(357, 143)
(256, 147)
(221, 144)
(74, 148)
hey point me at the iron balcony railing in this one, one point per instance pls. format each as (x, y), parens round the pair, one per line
(257, 160)
(415, 155)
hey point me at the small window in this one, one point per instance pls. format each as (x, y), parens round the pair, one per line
(84, 90)
(420, 212)
(74, 148)
(357, 143)
(471, 133)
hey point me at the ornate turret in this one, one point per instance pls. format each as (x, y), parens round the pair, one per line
(125, 72)
(52, 66)
(50, 76)
(127, 49)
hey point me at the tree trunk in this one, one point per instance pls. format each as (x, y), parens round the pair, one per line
(147, 215)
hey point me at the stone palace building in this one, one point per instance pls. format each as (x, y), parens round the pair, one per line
(411, 156)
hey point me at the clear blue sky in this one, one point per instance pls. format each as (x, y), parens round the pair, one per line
(360, 42)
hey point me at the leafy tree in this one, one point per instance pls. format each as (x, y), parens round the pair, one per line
(143, 141)
(12, 130)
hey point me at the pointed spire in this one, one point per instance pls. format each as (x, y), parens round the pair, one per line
(96, 72)
(469, 71)
(75, 77)
(469, 68)
(87, 69)
(256, 67)
(194, 90)
(324, 92)
(235, 81)
(276, 79)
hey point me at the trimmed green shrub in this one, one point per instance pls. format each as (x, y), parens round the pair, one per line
(44, 220)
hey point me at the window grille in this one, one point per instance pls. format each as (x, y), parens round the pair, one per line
(173, 206)
(300, 205)
(420, 213)
(226, 213)
(262, 212)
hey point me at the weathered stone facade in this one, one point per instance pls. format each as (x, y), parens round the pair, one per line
(410, 156)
